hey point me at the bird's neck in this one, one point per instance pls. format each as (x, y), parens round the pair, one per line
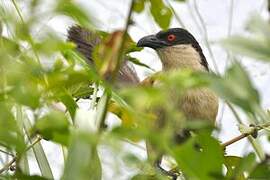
(180, 57)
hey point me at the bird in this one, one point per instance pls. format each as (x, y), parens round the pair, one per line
(178, 49)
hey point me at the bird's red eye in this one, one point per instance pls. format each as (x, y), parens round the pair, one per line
(171, 37)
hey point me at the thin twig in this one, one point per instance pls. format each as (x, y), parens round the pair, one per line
(122, 45)
(206, 36)
(7, 166)
(5, 152)
(118, 64)
(194, 18)
(13, 160)
(238, 138)
(175, 14)
(233, 140)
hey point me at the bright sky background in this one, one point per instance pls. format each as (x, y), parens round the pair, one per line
(110, 15)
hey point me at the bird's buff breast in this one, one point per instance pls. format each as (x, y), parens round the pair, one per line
(200, 103)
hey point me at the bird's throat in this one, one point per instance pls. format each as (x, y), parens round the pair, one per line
(180, 57)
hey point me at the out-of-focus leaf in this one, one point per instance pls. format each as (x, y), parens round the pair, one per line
(237, 166)
(148, 177)
(106, 54)
(252, 47)
(137, 62)
(259, 26)
(27, 94)
(236, 87)
(9, 46)
(138, 6)
(122, 113)
(52, 44)
(72, 10)
(101, 110)
(10, 136)
(28, 177)
(201, 157)
(161, 13)
(82, 161)
(261, 171)
(231, 162)
(54, 126)
(23, 164)
(1, 28)
(69, 102)
(257, 44)
(82, 90)
(39, 153)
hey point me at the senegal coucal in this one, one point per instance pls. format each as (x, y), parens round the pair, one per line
(177, 50)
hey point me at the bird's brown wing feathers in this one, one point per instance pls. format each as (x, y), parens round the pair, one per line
(86, 41)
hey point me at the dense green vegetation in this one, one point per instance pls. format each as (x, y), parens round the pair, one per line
(31, 91)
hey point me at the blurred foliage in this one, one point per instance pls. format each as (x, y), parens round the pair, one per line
(40, 70)
(256, 43)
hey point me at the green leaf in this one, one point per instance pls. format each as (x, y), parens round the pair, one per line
(28, 177)
(236, 87)
(252, 47)
(23, 164)
(27, 94)
(10, 134)
(54, 126)
(1, 28)
(82, 90)
(148, 177)
(138, 5)
(237, 166)
(258, 26)
(257, 44)
(137, 62)
(74, 11)
(9, 46)
(261, 171)
(101, 109)
(201, 157)
(39, 153)
(161, 13)
(82, 161)
(69, 102)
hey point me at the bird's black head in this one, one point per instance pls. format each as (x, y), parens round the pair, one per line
(172, 37)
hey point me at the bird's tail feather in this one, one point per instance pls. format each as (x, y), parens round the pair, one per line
(86, 41)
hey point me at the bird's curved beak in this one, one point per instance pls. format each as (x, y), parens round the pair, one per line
(151, 41)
